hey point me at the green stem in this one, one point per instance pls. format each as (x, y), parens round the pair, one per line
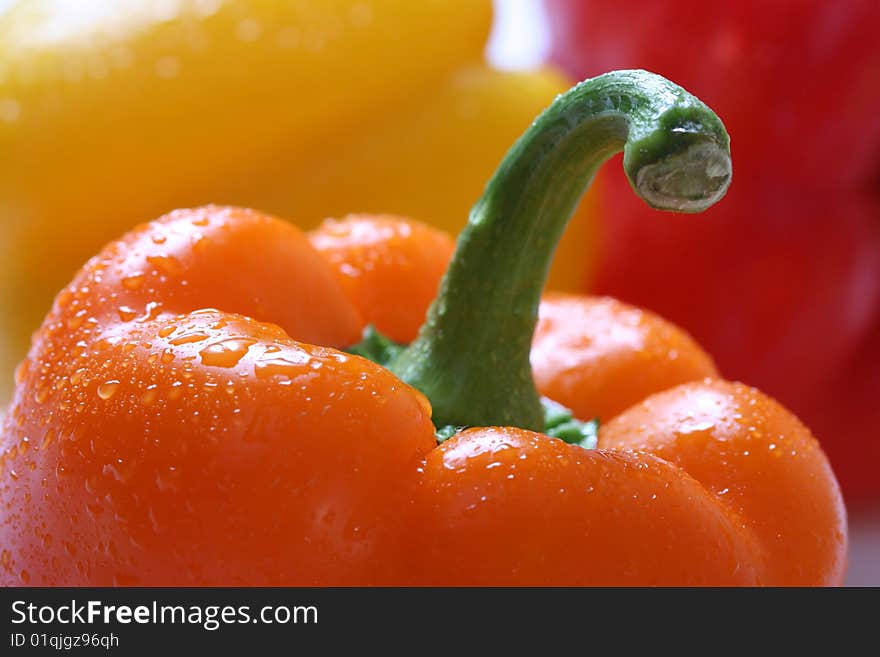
(471, 357)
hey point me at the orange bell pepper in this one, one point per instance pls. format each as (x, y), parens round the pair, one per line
(163, 433)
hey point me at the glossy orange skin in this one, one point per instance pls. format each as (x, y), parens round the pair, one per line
(709, 483)
(761, 464)
(509, 507)
(599, 356)
(388, 267)
(163, 434)
(168, 445)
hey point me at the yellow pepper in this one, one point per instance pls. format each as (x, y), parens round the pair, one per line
(301, 108)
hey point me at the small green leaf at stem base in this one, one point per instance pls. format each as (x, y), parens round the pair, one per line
(559, 422)
(447, 432)
(376, 347)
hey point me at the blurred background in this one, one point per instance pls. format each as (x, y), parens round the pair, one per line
(113, 113)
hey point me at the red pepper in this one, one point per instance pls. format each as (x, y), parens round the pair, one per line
(781, 282)
(848, 410)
